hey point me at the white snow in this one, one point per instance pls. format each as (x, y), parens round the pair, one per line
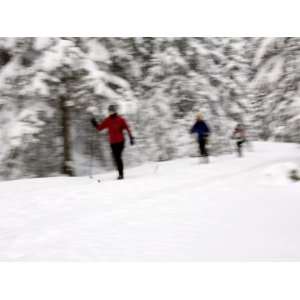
(62, 52)
(97, 51)
(277, 69)
(42, 43)
(277, 174)
(232, 209)
(8, 71)
(271, 72)
(263, 49)
(39, 85)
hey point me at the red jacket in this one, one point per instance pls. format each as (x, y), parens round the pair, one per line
(115, 125)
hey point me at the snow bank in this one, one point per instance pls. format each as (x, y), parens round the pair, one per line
(177, 210)
(279, 174)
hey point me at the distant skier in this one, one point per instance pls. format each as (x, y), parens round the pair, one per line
(201, 128)
(115, 125)
(239, 134)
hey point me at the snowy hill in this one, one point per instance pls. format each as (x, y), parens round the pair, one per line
(231, 209)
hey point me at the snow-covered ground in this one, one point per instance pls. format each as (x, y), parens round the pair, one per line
(232, 209)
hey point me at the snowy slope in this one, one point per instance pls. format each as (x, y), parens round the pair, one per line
(232, 209)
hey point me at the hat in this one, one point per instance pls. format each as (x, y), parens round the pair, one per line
(112, 108)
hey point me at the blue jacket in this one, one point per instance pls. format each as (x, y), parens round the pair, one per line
(201, 128)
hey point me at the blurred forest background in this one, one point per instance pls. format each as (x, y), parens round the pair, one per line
(51, 87)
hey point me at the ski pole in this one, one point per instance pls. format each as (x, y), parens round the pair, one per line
(91, 155)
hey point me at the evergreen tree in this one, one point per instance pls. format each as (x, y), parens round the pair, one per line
(50, 88)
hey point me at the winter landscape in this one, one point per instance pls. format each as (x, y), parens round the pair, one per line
(230, 209)
(149, 149)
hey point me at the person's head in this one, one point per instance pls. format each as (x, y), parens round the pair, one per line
(199, 116)
(112, 109)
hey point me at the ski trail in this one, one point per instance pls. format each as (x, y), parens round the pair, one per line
(183, 210)
(200, 183)
(182, 191)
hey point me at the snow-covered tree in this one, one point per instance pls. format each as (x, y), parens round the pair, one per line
(48, 82)
(50, 88)
(274, 87)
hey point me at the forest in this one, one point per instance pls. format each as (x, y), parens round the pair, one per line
(50, 88)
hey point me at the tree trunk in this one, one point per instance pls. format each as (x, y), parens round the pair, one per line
(67, 165)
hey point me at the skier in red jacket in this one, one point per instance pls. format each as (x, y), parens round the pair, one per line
(115, 125)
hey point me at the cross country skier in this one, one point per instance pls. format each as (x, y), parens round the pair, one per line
(201, 128)
(239, 135)
(115, 125)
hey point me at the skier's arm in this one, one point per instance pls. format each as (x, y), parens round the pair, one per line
(193, 129)
(233, 136)
(207, 130)
(125, 126)
(244, 134)
(94, 122)
(102, 125)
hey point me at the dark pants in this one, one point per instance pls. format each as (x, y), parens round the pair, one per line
(117, 150)
(202, 147)
(239, 147)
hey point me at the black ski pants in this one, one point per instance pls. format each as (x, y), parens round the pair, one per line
(239, 147)
(202, 146)
(117, 150)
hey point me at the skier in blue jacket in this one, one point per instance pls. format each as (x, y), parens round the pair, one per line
(201, 128)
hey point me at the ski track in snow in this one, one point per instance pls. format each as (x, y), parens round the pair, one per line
(178, 210)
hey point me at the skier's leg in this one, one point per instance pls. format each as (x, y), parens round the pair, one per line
(117, 150)
(113, 152)
(120, 160)
(205, 149)
(205, 152)
(242, 146)
(239, 148)
(202, 147)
